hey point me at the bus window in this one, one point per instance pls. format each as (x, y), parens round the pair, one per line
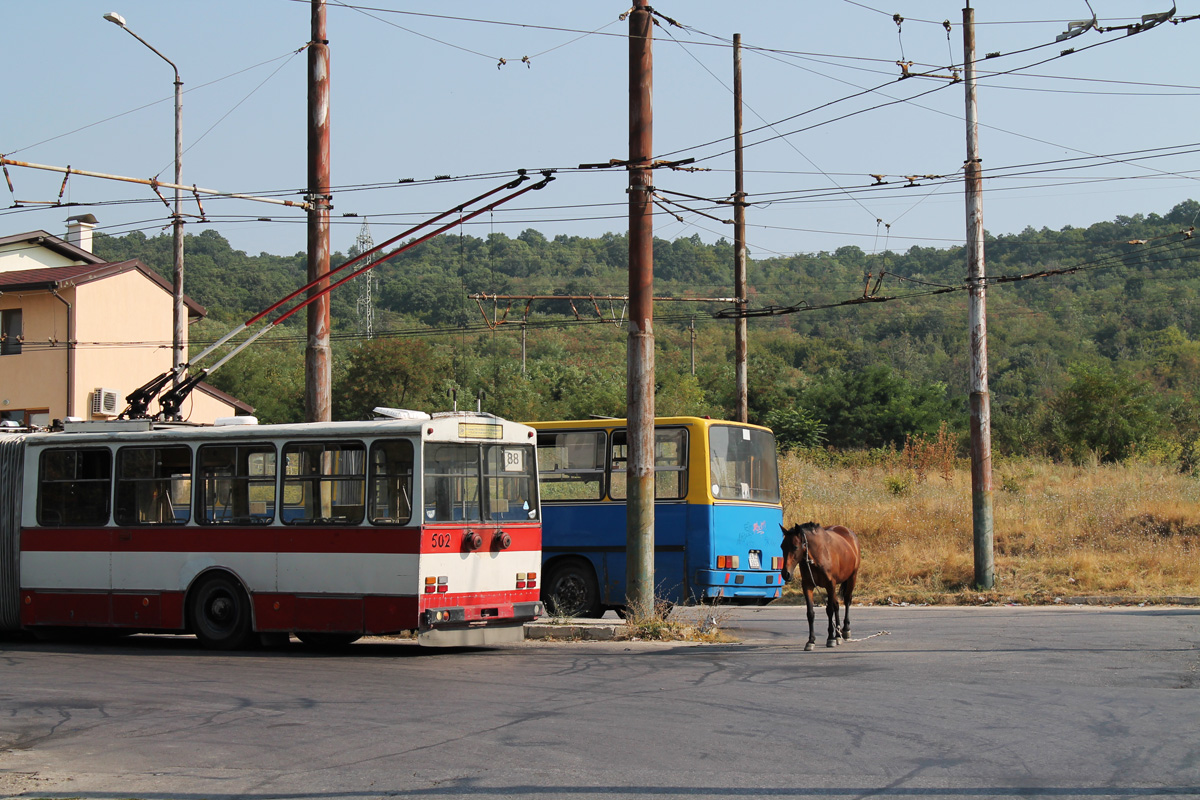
(743, 466)
(670, 464)
(324, 482)
(511, 482)
(154, 485)
(236, 484)
(391, 482)
(75, 487)
(452, 483)
(571, 464)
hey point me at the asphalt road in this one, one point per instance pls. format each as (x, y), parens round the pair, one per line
(1058, 702)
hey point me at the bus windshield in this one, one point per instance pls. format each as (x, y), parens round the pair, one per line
(742, 461)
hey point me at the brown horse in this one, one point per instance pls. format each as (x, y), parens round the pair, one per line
(824, 557)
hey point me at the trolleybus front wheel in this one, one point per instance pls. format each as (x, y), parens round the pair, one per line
(220, 613)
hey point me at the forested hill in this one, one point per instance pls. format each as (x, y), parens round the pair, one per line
(1098, 358)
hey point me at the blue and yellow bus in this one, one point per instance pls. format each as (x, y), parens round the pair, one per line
(716, 514)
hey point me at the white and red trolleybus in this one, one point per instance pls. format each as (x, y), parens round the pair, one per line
(326, 530)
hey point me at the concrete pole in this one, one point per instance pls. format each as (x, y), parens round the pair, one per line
(740, 343)
(317, 362)
(981, 414)
(640, 380)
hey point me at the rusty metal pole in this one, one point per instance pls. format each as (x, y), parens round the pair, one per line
(740, 343)
(317, 362)
(640, 380)
(981, 413)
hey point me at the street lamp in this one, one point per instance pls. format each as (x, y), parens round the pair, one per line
(179, 318)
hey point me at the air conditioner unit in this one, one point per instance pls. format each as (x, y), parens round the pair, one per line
(104, 402)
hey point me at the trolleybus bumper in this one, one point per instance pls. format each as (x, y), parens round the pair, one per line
(467, 627)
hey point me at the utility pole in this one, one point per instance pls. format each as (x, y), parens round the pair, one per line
(640, 380)
(981, 413)
(740, 344)
(317, 362)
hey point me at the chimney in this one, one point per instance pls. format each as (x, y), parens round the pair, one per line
(79, 231)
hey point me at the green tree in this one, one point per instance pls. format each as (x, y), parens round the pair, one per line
(796, 427)
(875, 407)
(1103, 412)
(394, 373)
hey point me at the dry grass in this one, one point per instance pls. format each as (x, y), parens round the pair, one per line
(699, 623)
(1060, 531)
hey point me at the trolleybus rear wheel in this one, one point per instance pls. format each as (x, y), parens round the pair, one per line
(571, 589)
(220, 613)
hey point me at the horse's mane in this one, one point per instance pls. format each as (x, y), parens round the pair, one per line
(809, 527)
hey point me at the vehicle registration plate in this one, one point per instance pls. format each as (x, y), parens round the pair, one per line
(755, 559)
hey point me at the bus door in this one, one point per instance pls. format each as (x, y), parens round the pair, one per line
(673, 523)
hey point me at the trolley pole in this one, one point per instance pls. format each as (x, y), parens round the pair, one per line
(317, 362)
(640, 380)
(740, 344)
(981, 413)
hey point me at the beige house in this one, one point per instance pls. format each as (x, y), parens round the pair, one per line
(77, 333)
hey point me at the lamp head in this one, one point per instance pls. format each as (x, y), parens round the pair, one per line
(115, 18)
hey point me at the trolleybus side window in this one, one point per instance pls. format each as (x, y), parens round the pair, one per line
(670, 464)
(324, 483)
(511, 482)
(391, 482)
(571, 464)
(235, 484)
(154, 485)
(75, 487)
(743, 466)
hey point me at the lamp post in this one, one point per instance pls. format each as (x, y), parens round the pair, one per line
(178, 317)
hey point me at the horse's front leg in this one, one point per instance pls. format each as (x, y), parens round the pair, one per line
(808, 603)
(831, 611)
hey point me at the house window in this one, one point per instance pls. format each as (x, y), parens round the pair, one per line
(11, 334)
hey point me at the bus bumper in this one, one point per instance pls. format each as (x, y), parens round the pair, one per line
(716, 584)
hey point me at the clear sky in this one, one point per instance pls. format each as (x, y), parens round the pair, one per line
(418, 96)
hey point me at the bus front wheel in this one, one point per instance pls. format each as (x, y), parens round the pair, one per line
(220, 613)
(571, 590)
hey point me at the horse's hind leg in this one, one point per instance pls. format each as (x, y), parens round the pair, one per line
(847, 597)
(831, 611)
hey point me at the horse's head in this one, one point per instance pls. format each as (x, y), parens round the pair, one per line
(794, 547)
